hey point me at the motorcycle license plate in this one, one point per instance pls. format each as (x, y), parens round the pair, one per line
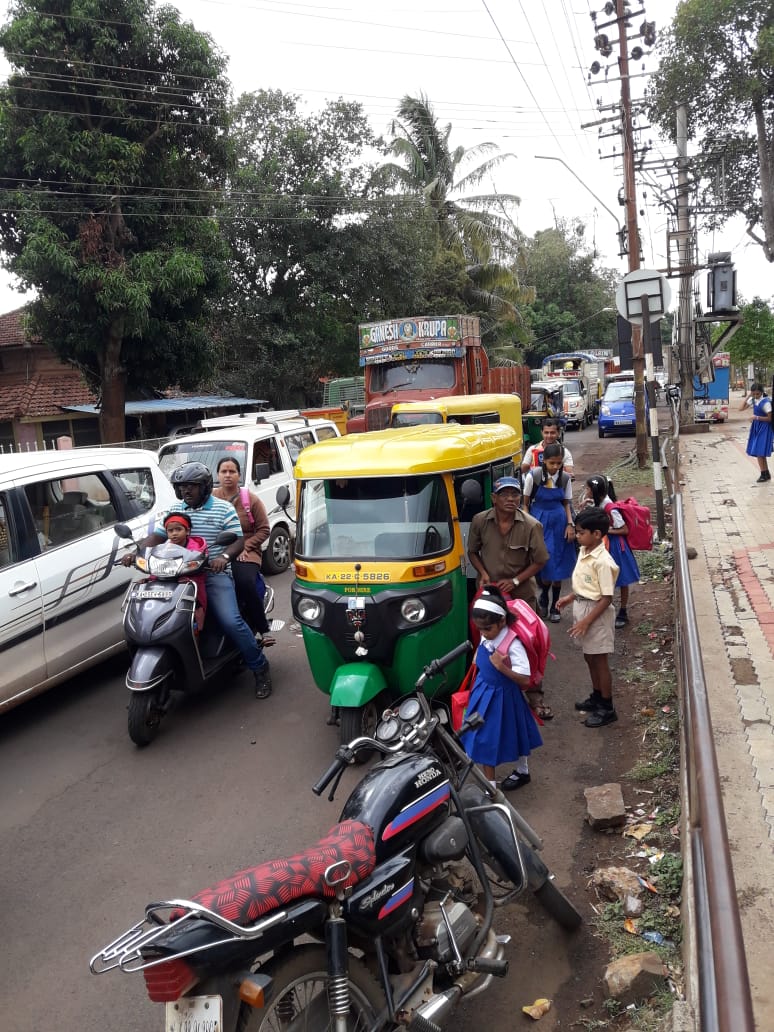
(154, 593)
(194, 1014)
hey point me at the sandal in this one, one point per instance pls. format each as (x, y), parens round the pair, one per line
(543, 711)
(266, 641)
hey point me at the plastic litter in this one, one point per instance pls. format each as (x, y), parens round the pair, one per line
(537, 1009)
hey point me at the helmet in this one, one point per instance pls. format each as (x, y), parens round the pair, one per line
(569, 365)
(192, 473)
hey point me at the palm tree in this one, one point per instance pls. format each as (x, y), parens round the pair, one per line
(469, 225)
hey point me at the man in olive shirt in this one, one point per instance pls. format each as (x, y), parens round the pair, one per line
(506, 545)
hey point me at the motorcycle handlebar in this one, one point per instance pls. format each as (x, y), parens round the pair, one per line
(338, 764)
(437, 665)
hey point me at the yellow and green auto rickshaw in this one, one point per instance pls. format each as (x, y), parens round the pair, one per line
(465, 409)
(382, 579)
(546, 402)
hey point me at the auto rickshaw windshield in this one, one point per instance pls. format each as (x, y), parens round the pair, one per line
(374, 518)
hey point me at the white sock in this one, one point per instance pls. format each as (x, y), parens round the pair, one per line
(522, 765)
(493, 784)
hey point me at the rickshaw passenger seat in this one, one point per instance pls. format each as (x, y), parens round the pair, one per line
(395, 543)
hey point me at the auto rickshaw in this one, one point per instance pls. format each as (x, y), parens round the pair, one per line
(382, 576)
(546, 401)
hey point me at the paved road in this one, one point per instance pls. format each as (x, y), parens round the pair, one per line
(92, 828)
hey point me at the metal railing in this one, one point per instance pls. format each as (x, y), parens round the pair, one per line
(717, 947)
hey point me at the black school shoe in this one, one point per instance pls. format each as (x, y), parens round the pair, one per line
(514, 781)
(601, 716)
(589, 705)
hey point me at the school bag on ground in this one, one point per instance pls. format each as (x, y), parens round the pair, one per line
(637, 518)
(533, 634)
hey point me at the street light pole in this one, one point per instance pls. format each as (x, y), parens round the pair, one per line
(547, 157)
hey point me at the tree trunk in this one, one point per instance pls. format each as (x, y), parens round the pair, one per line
(766, 161)
(112, 420)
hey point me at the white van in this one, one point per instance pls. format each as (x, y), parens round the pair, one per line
(60, 592)
(266, 453)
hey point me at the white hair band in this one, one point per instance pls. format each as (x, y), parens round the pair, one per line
(489, 607)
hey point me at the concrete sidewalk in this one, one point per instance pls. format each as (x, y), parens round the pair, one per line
(730, 522)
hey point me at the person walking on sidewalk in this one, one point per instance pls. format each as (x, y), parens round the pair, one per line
(761, 440)
(547, 496)
(601, 493)
(593, 584)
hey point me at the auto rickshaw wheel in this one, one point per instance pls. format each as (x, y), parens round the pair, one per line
(355, 721)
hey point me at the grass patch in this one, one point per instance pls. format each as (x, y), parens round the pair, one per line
(657, 564)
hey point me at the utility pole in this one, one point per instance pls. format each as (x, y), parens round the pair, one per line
(632, 229)
(685, 264)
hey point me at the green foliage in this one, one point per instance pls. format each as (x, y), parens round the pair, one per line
(718, 58)
(753, 342)
(112, 146)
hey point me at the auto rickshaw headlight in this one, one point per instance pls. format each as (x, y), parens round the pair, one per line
(309, 610)
(413, 610)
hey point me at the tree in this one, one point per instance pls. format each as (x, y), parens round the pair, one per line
(718, 59)
(314, 248)
(573, 307)
(753, 342)
(112, 143)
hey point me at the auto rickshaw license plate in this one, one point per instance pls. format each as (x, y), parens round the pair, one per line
(203, 1013)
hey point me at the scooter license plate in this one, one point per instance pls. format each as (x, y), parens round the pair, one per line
(194, 1014)
(153, 593)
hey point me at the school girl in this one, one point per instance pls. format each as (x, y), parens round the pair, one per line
(601, 494)
(547, 495)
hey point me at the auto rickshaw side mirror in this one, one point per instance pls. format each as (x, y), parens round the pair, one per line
(472, 495)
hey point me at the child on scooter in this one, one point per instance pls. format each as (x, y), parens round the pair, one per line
(178, 528)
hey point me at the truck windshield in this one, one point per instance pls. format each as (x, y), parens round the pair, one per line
(374, 518)
(415, 418)
(403, 376)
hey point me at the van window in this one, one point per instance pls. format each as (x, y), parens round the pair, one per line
(324, 433)
(267, 451)
(209, 452)
(138, 489)
(69, 508)
(485, 417)
(5, 538)
(297, 442)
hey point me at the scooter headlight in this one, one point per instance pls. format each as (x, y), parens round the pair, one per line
(413, 610)
(309, 610)
(164, 567)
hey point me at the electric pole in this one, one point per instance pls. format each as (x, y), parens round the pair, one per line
(685, 265)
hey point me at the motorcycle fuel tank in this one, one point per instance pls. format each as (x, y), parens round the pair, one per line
(402, 798)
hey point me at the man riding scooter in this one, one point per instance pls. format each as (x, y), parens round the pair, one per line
(209, 517)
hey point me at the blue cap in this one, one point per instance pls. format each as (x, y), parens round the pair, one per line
(503, 482)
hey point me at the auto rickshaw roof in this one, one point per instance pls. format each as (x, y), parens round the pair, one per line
(462, 404)
(435, 448)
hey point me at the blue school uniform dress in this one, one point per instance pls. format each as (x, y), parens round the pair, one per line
(547, 506)
(509, 730)
(620, 552)
(761, 440)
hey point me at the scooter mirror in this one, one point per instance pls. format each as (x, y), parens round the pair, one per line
(123, 531)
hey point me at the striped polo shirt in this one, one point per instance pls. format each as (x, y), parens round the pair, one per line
(208, 521)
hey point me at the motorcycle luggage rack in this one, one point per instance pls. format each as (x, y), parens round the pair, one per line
(124, 952)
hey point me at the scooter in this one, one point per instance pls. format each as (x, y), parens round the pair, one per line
(169, 651)
(398, 900)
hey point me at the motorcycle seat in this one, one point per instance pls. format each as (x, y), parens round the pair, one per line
(255, 891)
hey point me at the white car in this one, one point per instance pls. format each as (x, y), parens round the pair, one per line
(60, 590)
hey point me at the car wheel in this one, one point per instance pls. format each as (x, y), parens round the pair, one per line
(600, 431)
(276, 558)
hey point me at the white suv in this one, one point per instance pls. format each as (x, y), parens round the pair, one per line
(60, 590)
(266, 453)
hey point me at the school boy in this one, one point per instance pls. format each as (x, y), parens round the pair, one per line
(593, 584)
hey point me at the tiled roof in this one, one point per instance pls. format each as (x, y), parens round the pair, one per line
(44, 395)
(11, 333)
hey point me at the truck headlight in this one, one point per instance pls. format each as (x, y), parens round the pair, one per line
(413, 610)
(309, 610)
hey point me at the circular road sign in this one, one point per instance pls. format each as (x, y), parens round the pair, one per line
(630, 290)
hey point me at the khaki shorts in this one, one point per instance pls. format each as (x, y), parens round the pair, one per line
(599, 639)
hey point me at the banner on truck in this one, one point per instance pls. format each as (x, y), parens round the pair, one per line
(408, 333)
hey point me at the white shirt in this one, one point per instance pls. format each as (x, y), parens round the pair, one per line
(534, 478)
(529, 453)
(517, 654)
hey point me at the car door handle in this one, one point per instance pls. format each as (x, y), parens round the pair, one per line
(19, 589)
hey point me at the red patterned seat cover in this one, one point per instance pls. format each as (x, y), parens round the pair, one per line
(248, 894)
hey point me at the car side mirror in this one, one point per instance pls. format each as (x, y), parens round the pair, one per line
(261, 472)
(283, 496)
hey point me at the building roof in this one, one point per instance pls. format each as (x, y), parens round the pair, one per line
(42, 395)
(155, 405)
(12, 334)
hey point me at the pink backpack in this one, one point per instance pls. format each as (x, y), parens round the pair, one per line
(244, 497)
(533, 634)
(637, 519)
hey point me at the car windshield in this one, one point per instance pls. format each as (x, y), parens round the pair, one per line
(402, 376)
(619, 392)
(208, 452)
(374, 518)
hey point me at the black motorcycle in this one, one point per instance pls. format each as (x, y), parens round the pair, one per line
(398, 900)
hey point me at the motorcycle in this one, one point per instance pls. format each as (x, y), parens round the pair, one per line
(399, 899)
(169, 651)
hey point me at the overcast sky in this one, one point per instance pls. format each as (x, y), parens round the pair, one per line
(513, 72)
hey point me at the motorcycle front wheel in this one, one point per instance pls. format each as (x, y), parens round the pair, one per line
(299, 996)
